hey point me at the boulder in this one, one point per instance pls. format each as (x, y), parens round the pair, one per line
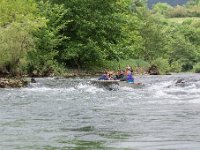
(180, 82)
(33, 80)
(153, 70)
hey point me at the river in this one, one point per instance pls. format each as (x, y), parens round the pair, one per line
(72, 114)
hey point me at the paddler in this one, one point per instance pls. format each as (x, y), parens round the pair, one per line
(121, 75)
(104, 76)
(129, 76)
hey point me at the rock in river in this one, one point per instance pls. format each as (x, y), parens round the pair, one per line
(12, 83)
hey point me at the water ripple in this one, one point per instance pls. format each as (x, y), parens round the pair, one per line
(59, 113)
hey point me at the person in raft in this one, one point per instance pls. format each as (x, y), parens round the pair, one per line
(121, 75)
(107, 76)
(104, 76)
(129, 76)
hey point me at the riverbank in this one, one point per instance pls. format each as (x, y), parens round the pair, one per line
(13, 82)
(17, 82)
(80, 73)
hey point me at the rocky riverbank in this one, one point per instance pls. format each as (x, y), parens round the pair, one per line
(13, 82)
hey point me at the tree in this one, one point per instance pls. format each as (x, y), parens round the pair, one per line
(152, 33)
(161, 8)
(181, 50)
(18, 20)
(96, 31)
(44, 59)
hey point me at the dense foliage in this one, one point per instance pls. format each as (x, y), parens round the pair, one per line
(41, 37)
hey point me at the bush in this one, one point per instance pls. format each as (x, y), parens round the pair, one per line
(15, 43)
(42, 63)
(162, 65)
(176, 66)
(196, 68)
(178, 11)
(194, 11)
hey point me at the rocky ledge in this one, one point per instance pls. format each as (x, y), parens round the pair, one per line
(13, 83)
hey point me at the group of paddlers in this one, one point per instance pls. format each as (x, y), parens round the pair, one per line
(122, 75)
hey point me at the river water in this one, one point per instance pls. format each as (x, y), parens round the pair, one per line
(58, 113)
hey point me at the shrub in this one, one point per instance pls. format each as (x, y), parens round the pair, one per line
(178, 11)
(14, 46)
(194, 11)
(196, 68)
(162, 65)
(176, 66)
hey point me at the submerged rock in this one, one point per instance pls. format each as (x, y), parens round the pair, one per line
(12, 83)
(111, 85)
(33, 80)
(180, 82)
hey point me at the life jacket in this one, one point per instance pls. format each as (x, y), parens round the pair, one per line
(129, 77)
(104, 77)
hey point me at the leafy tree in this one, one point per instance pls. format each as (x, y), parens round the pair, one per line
(182, 51)
(162, 8)
(18, 20)
(153, 37)
(44, 59)
(96, 32)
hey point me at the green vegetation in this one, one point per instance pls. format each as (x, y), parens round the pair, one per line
(181, 20)
(139, 66)
(197, 68)
(44, 37)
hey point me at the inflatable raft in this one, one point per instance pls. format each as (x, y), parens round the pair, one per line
(115, 84)
(107, 84)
